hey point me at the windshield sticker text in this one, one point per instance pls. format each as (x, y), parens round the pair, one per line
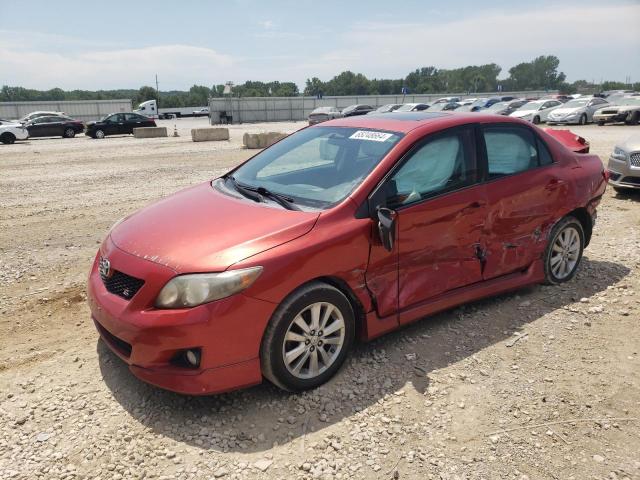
(372, 136)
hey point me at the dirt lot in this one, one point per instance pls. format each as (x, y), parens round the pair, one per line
(542, 384)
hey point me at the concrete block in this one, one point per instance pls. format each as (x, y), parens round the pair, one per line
(261, 140)
(150, 132)
(209, 134)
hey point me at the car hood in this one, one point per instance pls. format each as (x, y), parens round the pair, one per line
(523, 113)
(562, 111)
(203, 230)
(620, 108)
(631, 144)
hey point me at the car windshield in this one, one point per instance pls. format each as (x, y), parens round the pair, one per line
(628, 101)
(322, 110)
(580, 102)
(407, 107)
(531, 106)
(497, 107)
(317, 167)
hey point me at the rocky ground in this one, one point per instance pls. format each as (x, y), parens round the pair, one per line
(540, 384)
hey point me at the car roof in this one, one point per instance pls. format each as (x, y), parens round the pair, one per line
(404, 122)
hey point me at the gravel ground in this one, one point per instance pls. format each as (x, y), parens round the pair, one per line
(540, 384)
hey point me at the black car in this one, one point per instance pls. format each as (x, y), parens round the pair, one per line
(54, 126)
(118, 124)
(352, 110)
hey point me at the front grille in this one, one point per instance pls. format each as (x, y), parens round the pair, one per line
(117, 343)
(609, 112)
(635, 159)
(121, 284)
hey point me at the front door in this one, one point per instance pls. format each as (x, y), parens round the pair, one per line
(523, 191)
(440, 209)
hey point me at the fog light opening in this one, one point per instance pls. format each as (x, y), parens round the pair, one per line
(189, 358)
(193, 357)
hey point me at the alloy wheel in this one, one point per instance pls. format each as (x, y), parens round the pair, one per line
(313, 340)
(565, 253)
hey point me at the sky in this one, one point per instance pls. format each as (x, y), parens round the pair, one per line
(124, 44)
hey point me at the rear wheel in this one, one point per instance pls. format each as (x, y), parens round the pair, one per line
(69, 133)
(99, 134)
(308, 338)
(564, 251)
(536, 120)
(7, 138)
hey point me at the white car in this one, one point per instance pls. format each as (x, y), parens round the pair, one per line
(33, 115)
(536, 111)
(201, 112)
(10, 132)
(579, 111)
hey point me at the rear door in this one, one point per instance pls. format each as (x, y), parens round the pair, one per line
(440, 209)
(133, 121)
(524, 189)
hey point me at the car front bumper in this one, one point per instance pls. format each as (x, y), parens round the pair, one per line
(610, 117)
(622, 174)
(228, 332)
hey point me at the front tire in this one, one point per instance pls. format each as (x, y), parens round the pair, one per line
(99, 134)
(634, 120)
(601, 124)
(69, 133)
(308, 338)
(583, 119)
(564, 251)
(8, 138)
(536, 120)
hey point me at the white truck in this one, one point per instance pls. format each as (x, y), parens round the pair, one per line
(148, 109)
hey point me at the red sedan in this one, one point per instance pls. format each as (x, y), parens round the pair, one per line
(348, 229)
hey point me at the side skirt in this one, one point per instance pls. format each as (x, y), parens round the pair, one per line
(378, 326)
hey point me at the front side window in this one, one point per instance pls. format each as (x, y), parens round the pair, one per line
(440, 165)
(509, 150)
(318, 166)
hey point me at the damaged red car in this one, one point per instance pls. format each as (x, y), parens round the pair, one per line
(342, 231)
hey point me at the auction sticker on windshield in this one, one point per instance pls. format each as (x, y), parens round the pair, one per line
(370, 135)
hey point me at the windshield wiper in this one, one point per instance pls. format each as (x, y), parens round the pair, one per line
(247, 192)
(257, 194)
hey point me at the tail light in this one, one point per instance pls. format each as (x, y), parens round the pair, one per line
(606, 175)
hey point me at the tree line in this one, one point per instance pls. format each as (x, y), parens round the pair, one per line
(539, 74)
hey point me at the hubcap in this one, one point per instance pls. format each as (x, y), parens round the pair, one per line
(313, 340)
(565, 252)
(100, 134)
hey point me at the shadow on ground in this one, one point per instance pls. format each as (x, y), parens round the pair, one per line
(256, 418)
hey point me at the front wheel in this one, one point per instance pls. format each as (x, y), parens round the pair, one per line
(634, 120)
(601, 124)
(583, 119)
(564, 251)
(308, 338)
(536, 120)
(69, 133)
(99, 134)
(7, 138)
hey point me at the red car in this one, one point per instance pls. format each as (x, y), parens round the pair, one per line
(349, 229)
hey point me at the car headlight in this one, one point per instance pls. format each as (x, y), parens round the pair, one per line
(619, 154)
(198, 288)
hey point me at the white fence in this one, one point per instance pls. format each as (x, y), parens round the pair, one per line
(279, 109)
(85, 110)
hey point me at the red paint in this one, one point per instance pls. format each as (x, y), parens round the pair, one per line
(434, 264)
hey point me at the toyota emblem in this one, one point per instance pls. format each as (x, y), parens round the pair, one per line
(105, 268)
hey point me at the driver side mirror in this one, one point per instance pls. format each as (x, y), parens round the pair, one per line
(387, 227)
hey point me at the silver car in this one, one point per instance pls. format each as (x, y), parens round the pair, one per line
(579, 111)
(322, 114)
(536, 111)
(626, 109)
(624, 165)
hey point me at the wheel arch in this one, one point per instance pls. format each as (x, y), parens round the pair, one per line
(582, 215)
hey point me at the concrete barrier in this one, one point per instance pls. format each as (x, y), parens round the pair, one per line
(261, 140)
(209, 134)
(150, 132)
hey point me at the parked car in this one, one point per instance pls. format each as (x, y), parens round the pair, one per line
(626, 109)
(447, 100)
(536, 111)
(351, 228)
(322, 114)
(560, 97)
(482, 103)
(389, 107)
(201, 112)
(10, 132)
(353, 110)
(505, 108)
(578, 111)
(54, 127)
(624, 165)
(33, 115)
(467, 101)
(118, 124)
(412, 107)
(440, 107)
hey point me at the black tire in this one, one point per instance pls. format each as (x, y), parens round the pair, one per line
(622, 190)
(272, 360)
(536, 120)
(566, 223)
(634, 120)
(7, 138)
(601, 124)
(69, 133)
(99, 134)
(583, 119)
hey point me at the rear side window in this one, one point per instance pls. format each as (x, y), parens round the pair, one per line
(513, 150)
(438, 166)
